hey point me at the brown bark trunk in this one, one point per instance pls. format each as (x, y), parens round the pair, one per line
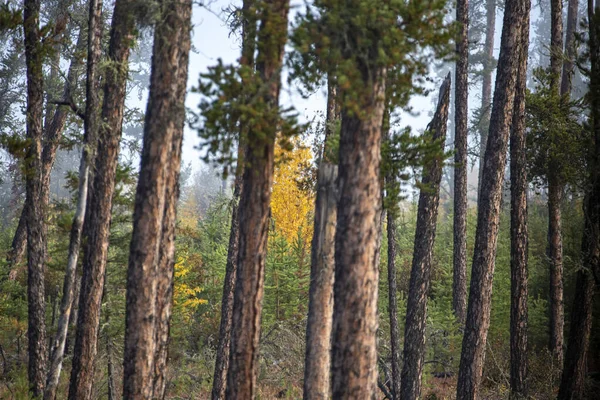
(556, 42)
(224, 345)
(34, 209)
(19, 242)
(152, 251)
(459, 283)
(480, 294)
(518, 231)
(73, 316)
(570, 49)
(420, 275)
(91, 124)
(575, 369)
(555, 257)
(320, 307)
(254, 210)
(486, 87)
(100, 202)
(354, 354)
(393, 306)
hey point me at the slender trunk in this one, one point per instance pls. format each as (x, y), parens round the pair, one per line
(555, 257)
(393, 305)
(486, 87)
(254, 209)
(480, 294)
(317, 364)
(459, 282)
(556, 43)
(91, 124)
(420, 275)
(518, 228)
(572, 385)
(73, 316)
(100, 202)
(354, 354)
(19, 242)
(320, 307)
(224, 345)
(34, 210)
(570, 49)
(152, 251)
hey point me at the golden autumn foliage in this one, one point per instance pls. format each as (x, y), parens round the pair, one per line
(292, 206)
(186, 295)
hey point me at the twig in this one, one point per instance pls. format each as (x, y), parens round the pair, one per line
(70, 103)
(386, 392)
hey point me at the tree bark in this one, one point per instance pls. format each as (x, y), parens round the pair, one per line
(556, 43)
(518, 227)
(100, 201)
(152, 251)
(486, 87)
(480, 294)
(555, 257)
(420, 275)
(34, 210)
(354, 355)
(317, 365)
(570, 49)
(91, 125)
(224, 345)
(461, 116)
(254, 209)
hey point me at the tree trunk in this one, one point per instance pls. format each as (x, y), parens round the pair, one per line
(486, 87)
(224, 345)
(572, 385)
(556, 42)
(254, 209)
(100, 202)
(320, 307)
(152, 252)
(34, 210)
(420, 275)
(91, 125)
(518, 228)
(19, 242)
(354, 354)
(317, 364)
(459, 283)
(393, 306)
(570, 49)
(555, 257)
(480, 294)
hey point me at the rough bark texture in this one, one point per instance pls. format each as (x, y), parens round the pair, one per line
(420, 275)
(320, 307)
(98, 215)
(572, 385)
(317, 364)
(91, 124)
(393, 306)
(34, 210)
(556, 42)
(19, 242)
(224, 346)
(254, 210)
(555, 258)
(518, 228)
(570, 49)
(354, 355)
(480, 294)
(486, 87)
(461, 116)
(152, 250)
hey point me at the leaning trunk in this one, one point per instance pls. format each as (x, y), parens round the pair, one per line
(486, 236)
(518, 228)
(420, 275)
(34, 210)
(459, 282)
(152, 251)
(100, 202)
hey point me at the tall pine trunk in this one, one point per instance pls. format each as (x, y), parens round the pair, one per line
(518, 227)
(488, 216)
(152, 251)
(486, 86)
(98, 214)
(420, 275)
(34, 210)
(568, 68)
(91, 124)
(317, 362)
(254, 208)
(461, 116)
(224, 345)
